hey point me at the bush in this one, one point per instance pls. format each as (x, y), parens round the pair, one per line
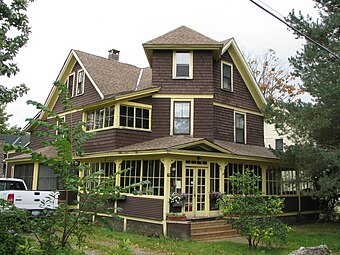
(255, 215)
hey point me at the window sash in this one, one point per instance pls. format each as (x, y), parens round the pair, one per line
(182, 64)
(134, 117)
(182, 118)
(226, 77)
(239, 128)
(100, 118)
(80, 83)
(70, 84)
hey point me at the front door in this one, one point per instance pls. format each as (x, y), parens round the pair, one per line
(195, 188)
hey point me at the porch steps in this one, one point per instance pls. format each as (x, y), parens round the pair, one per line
(213, 230)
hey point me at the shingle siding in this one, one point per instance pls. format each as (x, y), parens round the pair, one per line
(255, 135)
(203, 119)
(223, 124)
(160, 117)
(240, 97)
(202, 82)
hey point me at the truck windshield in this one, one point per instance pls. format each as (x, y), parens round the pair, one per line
(11, 185)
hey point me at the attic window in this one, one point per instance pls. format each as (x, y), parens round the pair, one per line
(182, 65)
(70, 84)
(80, 83)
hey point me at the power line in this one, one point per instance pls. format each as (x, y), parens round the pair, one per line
(296, 30)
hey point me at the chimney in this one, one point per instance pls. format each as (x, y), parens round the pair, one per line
(114, 55)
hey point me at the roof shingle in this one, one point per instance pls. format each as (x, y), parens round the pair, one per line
(183, 36)
(113, 77)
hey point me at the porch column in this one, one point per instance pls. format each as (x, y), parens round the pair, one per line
(118, 165)
(264, 169)
(167, 162)
(222, 165)
(35, 176)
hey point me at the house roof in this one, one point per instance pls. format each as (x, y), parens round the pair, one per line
(183, 36)
(175, 142)
(48, 151)
(113, 77)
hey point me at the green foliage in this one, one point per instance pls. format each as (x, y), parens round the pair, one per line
(14, 32)
(315, 126)
(123, 248)
(58, 231)
(253, 215)
(11, 228)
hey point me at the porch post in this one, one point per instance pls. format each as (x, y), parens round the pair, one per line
(264, 179)
(167, 162)
(118, 165)
(35, 176)
(222, 165)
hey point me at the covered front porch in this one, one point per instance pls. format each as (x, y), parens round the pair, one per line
(194, 170)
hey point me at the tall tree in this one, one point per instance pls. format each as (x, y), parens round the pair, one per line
(315, 126)
(14, 32)
(273, 76)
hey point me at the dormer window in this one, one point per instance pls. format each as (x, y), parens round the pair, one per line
(80, 83)
(182, 65)
(227, 76)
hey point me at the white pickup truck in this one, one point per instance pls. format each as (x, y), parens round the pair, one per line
(15, 191)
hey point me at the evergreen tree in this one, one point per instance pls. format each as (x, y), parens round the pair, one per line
(315, 126)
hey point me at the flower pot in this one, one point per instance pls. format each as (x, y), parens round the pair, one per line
(178, 204)
(176, 218)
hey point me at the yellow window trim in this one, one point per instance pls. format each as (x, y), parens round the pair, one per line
(231, 74)
(245, 125)
(172, 112)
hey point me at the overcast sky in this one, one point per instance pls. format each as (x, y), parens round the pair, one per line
(98, 26)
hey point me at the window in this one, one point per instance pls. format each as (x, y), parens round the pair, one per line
(227, 76)
(181, 118)
(100, 118)
(70, 84)
(47, 179)
(80, 83)
(136, 171)
(182, 64)
(234, 169)
(279, 144)
(239, 128)
(134, 117)
(24, 172)
(98, 171)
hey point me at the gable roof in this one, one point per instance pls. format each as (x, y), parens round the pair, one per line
(243, 68)
(113, 77)
(109, 77)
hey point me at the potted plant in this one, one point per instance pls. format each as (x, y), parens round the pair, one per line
(214, 195)
(176, 216)
(177, 199)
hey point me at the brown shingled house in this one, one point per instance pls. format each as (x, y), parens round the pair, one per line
(186, 123)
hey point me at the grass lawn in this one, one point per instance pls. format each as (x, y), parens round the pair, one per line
(105, 241)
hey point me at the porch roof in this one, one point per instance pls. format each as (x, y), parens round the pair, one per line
(183, 142)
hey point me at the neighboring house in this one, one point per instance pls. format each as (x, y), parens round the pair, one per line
(186, 123)
(14, 140)
(272, 139)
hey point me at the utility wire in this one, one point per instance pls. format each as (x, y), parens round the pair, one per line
(296, 30)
